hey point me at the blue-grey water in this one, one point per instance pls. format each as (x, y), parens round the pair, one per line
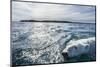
(80, 29)
(39, 38)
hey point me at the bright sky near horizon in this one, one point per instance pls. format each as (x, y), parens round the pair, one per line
(45, 11)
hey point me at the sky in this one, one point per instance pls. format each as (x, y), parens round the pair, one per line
(59, 12)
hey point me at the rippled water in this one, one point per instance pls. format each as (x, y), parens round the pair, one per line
(43, 43)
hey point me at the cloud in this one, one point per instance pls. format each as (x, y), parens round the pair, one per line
(45, 11)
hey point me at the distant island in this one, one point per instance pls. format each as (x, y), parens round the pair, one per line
(43, 21)
(51, 21)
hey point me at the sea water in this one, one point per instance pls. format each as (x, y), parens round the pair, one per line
(40, 37)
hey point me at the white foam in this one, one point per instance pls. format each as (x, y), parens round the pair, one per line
(78, 47)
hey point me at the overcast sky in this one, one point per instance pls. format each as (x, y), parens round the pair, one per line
(45, 11)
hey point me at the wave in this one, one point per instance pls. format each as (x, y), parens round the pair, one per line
(81, 46)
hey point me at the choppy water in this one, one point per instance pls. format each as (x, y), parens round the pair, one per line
(43, 43)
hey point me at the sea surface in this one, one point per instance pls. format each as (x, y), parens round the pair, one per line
(43, 42)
